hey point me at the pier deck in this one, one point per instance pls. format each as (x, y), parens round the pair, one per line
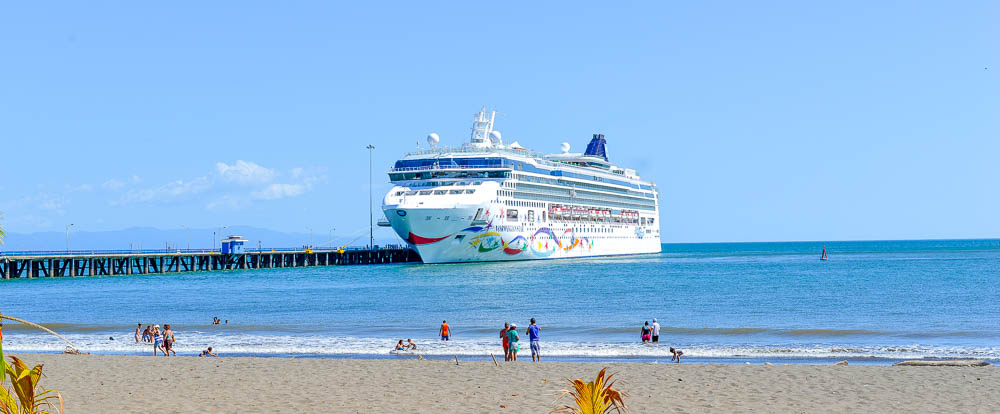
(116, 262)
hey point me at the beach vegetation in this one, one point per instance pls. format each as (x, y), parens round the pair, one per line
(594, 397)
(24, 395)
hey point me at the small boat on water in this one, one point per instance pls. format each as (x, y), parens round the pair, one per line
(823, 257)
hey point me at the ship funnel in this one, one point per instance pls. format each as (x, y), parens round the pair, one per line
(596, 148)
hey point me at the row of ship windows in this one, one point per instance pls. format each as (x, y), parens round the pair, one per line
(512, 216)
(566, 199)
(435, 192)
(582, 194)
(560, 182)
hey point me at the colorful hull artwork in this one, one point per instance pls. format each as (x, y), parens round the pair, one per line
(543, 243)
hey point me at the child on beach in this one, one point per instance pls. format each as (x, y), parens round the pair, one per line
(411, 345)
(208, 352)
(157, 340)
(676, 355)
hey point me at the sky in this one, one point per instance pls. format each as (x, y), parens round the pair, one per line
(758, 121)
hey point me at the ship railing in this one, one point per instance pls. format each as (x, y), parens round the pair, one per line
(450, 167)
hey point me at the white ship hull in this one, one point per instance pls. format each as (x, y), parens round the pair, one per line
(447, 235)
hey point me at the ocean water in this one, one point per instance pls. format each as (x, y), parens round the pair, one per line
(873, 302)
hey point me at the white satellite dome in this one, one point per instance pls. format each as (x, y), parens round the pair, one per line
(564, 147)
(433, 139)
(496, 137)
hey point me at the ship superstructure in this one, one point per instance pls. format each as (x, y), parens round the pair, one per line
(487, 201)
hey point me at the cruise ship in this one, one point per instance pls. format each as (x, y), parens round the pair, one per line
(490, 201)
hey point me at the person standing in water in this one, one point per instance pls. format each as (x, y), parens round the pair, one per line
(512, 342)
(157, 340)
(138, 333)
(168, 340)
(506, 341)
(644, 334)
(533, 330)
(656, 331)
(445, 331)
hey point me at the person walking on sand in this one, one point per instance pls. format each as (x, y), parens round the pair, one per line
(512, 339)
(645, 333)
(505, 340)
(168, 340)
(533, 330)
(656, 331)
(138, 333)
(445, 331)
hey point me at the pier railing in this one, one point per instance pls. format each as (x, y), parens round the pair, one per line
(71, 263)
(101, 252)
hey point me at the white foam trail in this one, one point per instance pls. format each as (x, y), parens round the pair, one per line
(194, 342)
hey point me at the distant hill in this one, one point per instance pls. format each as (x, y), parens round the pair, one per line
(153, 238)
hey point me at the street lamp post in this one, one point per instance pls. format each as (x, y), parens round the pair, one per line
(371, 220)
(67, 236)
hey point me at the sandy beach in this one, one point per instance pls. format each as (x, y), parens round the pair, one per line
(96, 383)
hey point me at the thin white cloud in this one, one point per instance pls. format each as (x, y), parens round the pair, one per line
(113, 184)
(232, 186)
(53, 203)
(244, 172)
(80, 188)
(276, 191)
(226, 202)
(172, 190)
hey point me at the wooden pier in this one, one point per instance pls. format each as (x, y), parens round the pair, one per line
(46, 264)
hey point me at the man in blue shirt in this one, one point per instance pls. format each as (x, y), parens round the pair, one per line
(536, 355)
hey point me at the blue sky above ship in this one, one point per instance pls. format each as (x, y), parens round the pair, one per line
(777, 121)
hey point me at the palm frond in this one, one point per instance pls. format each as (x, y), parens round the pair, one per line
(596, 397)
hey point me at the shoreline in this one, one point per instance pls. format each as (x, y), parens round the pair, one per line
(106, 383)
(694, 360)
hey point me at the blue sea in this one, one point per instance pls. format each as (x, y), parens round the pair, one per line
(872, 302)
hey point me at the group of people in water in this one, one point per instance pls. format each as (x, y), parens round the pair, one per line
(162, 340)
(408, 346)
(511, 340)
